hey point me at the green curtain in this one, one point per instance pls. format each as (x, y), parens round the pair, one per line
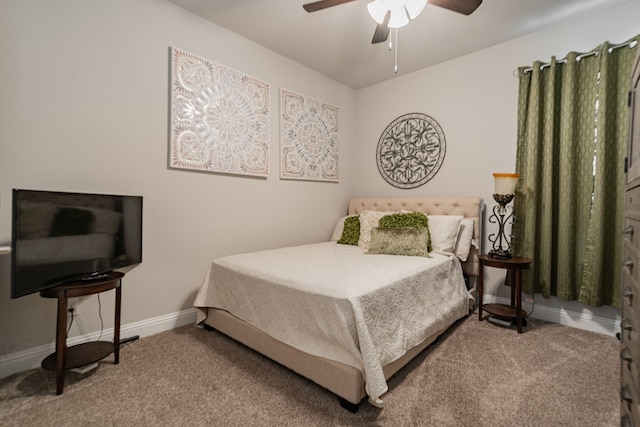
(572, 139)
(601, 286)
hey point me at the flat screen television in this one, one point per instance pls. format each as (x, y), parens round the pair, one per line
(59, 237)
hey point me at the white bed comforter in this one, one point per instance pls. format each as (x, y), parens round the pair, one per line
(337, 302)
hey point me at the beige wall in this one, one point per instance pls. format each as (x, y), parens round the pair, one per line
(474, 99)
(83, 101)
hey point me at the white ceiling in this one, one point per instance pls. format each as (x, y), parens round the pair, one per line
(337, 41)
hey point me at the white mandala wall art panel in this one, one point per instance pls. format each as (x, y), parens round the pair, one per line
(309, 131)
(219, 118)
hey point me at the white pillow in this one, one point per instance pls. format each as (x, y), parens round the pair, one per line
(368, 221)
(465, 239)
(444, 232)
(338, 229)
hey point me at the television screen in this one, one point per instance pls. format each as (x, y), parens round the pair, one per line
(59, 237)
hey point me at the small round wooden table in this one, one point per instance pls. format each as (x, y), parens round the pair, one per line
(513, 311)
(81, 354)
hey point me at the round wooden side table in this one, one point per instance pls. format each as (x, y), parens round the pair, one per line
(81, 354)
(513, 311)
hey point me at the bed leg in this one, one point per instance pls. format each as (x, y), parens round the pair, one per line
(351, 407)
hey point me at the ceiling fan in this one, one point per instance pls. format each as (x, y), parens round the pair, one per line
(465, 7)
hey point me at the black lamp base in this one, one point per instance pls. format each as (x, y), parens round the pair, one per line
(500, 253)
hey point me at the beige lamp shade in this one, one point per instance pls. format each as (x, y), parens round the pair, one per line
(505, 183)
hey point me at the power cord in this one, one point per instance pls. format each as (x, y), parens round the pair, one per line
(100, 315)
(122, 343)
(533, 306)
(125, 341)
(73, 315)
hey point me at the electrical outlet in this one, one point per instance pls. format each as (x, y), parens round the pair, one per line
(73, 306)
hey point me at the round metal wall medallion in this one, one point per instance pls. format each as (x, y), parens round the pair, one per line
(411, 150)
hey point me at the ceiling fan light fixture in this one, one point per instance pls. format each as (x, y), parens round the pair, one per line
(398, 18)
(415, 7)
(377, 10)
(401, 11)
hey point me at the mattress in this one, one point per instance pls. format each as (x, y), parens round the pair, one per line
(337, 302)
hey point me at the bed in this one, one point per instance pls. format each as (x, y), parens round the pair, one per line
(340, 315)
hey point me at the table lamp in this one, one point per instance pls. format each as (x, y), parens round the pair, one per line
(505, 185)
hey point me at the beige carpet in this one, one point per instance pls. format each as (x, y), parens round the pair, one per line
(478, 374)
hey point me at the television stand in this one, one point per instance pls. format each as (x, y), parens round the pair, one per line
(82, 354)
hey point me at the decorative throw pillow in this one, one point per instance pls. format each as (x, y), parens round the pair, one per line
(350, 231)
(399, 241)
(71, 222)
(465, 239)
(368, 221)
(407, 219)
(444, 232)
(339, 228)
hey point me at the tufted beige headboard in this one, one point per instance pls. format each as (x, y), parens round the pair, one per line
(469, 206)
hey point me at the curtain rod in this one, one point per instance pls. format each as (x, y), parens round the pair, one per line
(630, 43)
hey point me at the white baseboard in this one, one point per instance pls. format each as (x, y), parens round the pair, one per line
(587, 322)
(31, 358)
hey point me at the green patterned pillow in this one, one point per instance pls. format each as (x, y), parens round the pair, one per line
(399, 241)
(351, 231)
(408, 219)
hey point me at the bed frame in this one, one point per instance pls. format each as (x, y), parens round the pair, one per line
(346, 381)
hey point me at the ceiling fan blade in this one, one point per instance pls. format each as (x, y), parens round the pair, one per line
(381, 34)
(323, 4)
(466, 7)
